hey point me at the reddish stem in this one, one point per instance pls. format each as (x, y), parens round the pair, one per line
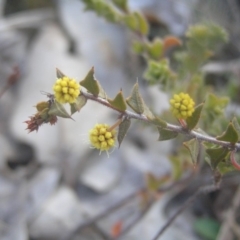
(233, 161)
(183, 123)
(115, 125)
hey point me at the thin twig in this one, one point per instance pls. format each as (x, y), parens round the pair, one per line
(101, 233)
(133, 223)
(122, 203)
(103, 214)
(203, 189)
(172, 127)
(11, 80)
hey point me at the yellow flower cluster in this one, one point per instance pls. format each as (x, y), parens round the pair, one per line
(101, 138)
(182, 105)
(66, 90)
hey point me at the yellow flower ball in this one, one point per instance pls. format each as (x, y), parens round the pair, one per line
(102, 138)
(66, 90)
(182, 105)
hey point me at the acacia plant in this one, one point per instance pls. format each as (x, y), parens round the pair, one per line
(196, 110)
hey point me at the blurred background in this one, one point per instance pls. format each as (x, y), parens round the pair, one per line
(51, 181)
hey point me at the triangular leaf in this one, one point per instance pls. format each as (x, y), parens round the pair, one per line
(135, 100)
(122, 130)
(102, 93)
(90, 83)
(217, 155)
(236, 126)
(193, 147)
(193, 120)
(57, 109)
(230, 135)
(159, 122)
(59, 73)
(147, 112)
(118, 102)
(78, 104)
(165, 134)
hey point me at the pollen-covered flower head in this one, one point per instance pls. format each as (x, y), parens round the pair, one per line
(101, 137)
(66, 90)
(182, 105)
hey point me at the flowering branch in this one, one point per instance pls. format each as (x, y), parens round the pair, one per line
(171, 127)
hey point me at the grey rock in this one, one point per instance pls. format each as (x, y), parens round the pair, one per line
(13, 231)
(12, 218)
(40, 188)
(151, 223)
(103, 173)
(60, 214)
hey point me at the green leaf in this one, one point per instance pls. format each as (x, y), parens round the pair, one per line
(131, 21)
(193, 120)
(216, 105)
(135, 100)
(177, 170)
(77, 106)
(155, 49)
(90, 83)
(102, 8)
(122, 4)
(159, 122)
(59, 73)
(154, 183)
(236, 126)
(147, 112)
(102, 93)
(207, 228)
(57, 109)
(230, 135)
(159, 72)
(138, 47)
(225, 167)
(143, 27)
(165, 134)
(217, 155)
(193, 147)
(122, 130)
(118, 102)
